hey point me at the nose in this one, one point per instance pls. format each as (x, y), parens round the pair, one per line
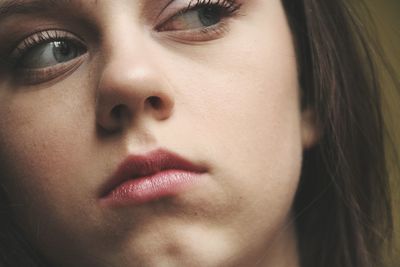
(131, 86)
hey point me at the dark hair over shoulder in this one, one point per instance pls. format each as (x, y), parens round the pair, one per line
(343, 205)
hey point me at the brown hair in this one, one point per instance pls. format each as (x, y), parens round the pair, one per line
(342, 206)
(343, 200)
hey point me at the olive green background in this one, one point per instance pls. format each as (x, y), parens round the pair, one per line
(386, 16)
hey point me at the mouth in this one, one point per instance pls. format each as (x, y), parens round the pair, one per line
(144, 178)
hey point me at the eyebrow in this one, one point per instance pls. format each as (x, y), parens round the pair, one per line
(13, 7)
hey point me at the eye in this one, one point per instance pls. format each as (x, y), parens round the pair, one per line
(200, 19)
(46, 55)
(50, 53)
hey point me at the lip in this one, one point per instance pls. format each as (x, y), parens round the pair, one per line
(144, 178)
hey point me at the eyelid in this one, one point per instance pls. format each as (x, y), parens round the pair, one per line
(33, 76)
(198, 35)
(191, 35)
(180, 6)
(172, 9)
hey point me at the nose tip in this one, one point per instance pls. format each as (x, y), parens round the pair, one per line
(131, 92)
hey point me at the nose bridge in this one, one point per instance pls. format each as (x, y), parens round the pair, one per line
(125, 45)
(131, 82)
(123, 36)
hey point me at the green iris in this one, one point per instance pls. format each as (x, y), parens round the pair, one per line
(209, 16)
(49, 54)
(63, 51)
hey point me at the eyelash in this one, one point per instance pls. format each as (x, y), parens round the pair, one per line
(228, 8)
(31, 76)
(39, 38)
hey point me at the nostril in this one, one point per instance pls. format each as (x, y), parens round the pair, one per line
(119, 111)
(155, 102)
(160, 106)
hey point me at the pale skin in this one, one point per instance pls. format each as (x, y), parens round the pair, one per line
(228, 101)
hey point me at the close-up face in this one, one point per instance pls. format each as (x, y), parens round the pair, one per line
(152, 132)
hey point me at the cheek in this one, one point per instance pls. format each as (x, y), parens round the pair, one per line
(245, 101)
(244, 95)
(245, 90)
(41, 139)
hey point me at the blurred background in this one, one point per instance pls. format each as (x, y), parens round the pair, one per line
(386, 17)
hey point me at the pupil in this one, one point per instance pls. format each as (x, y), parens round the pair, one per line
(209, 15)
(62, 51)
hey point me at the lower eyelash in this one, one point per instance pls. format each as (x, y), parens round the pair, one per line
(212, 32)
(32, 77)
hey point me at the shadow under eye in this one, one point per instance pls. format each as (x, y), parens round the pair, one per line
(34, 76)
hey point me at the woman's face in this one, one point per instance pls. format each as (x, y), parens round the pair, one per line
(87, 84)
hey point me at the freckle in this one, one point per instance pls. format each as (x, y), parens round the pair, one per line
(173, 250)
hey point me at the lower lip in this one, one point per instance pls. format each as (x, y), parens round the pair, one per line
(148, 188)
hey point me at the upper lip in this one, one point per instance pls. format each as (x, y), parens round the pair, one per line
(135, 166)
